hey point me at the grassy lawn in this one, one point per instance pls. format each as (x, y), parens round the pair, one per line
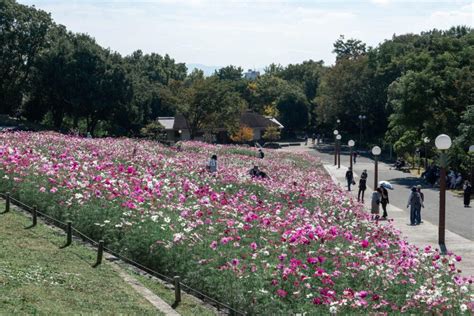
(36, 277)
(188, 306)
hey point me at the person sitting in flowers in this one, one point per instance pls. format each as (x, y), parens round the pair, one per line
(212, 165)
(257, 173)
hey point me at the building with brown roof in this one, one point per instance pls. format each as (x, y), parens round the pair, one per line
(177, 128)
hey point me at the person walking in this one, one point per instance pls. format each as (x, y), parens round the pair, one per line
(375, 207)
(384, 201)
(212, 165)
(260, 153)
(422, 196)
(306, 139)
(349, 178)
(415, 203)
(467, 193)
(362, 186)
(354, 154)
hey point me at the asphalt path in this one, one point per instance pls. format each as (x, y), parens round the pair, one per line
(459, 220)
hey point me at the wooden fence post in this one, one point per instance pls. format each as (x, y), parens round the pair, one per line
(177, 290)
(35, 216)
(100, 252)
(7, 202)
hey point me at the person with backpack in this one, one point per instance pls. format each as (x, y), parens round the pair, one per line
(467, 188)
(375, 207)
(212, 165)
(349, 178)
(415, 203)
(422, 196)
(384, 201)
(362, 186)
(260, 153)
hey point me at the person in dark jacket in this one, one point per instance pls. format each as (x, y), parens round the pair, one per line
(349, 178)
(415, 203)
(362, 186)
(467, 193)
(384, 201)
(260, 154)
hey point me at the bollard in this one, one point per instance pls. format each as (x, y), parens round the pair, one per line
(68, 235)
(100, 252)
(35, 216)
(177, 290)
(7, 202)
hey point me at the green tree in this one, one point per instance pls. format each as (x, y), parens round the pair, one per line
(348, 49)
(229, 73)
(294, 110)
(22, 35)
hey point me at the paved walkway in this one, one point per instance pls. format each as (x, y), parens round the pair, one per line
(427, 232)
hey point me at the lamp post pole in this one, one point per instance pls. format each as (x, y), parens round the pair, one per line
(338, 138)
(351, 144)
(361, 118)
(376, 152)
(336, 132)
(426, 140)
(442, 142)
(471, 152)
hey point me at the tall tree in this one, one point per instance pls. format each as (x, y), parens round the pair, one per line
(22, 35)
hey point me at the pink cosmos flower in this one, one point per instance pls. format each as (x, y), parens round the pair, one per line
(282, 293)
(213, 245)
(364, 243)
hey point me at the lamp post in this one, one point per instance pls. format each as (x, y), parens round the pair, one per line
(361, 118)
(442, 142)
(338, 138)
(335, 146)
(471, 153)
(376, 152)
(179, 132)
(426, 140)
(351, 144)
(418, 153)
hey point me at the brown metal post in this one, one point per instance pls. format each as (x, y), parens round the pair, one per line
(338, 154)
(100, 252)
(376, 172)
(350, 158)
(442, 209)
(7, 202)
(69, 233)
(35, 216)
(335, 151)
(177, 290)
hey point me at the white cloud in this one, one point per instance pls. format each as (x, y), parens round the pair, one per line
(250, 33)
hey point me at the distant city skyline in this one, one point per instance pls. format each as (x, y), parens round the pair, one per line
(249, 33)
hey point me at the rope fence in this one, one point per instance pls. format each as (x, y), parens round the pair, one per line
(70, 230)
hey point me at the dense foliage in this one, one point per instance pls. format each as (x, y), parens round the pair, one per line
(409, 87)
(290, 243)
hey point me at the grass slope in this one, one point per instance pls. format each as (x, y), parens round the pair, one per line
(36, 277)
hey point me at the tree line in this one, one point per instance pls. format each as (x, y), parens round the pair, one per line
(408, 87)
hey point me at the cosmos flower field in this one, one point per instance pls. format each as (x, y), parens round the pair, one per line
(292, 243)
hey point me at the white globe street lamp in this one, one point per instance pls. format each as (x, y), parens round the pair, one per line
(376, 151)
(351, 144)
(336, 132)
(442, 142)
(338, 140)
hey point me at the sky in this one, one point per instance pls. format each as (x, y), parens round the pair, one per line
(250, 33)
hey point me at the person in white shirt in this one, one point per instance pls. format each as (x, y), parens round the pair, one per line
(212, 165)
